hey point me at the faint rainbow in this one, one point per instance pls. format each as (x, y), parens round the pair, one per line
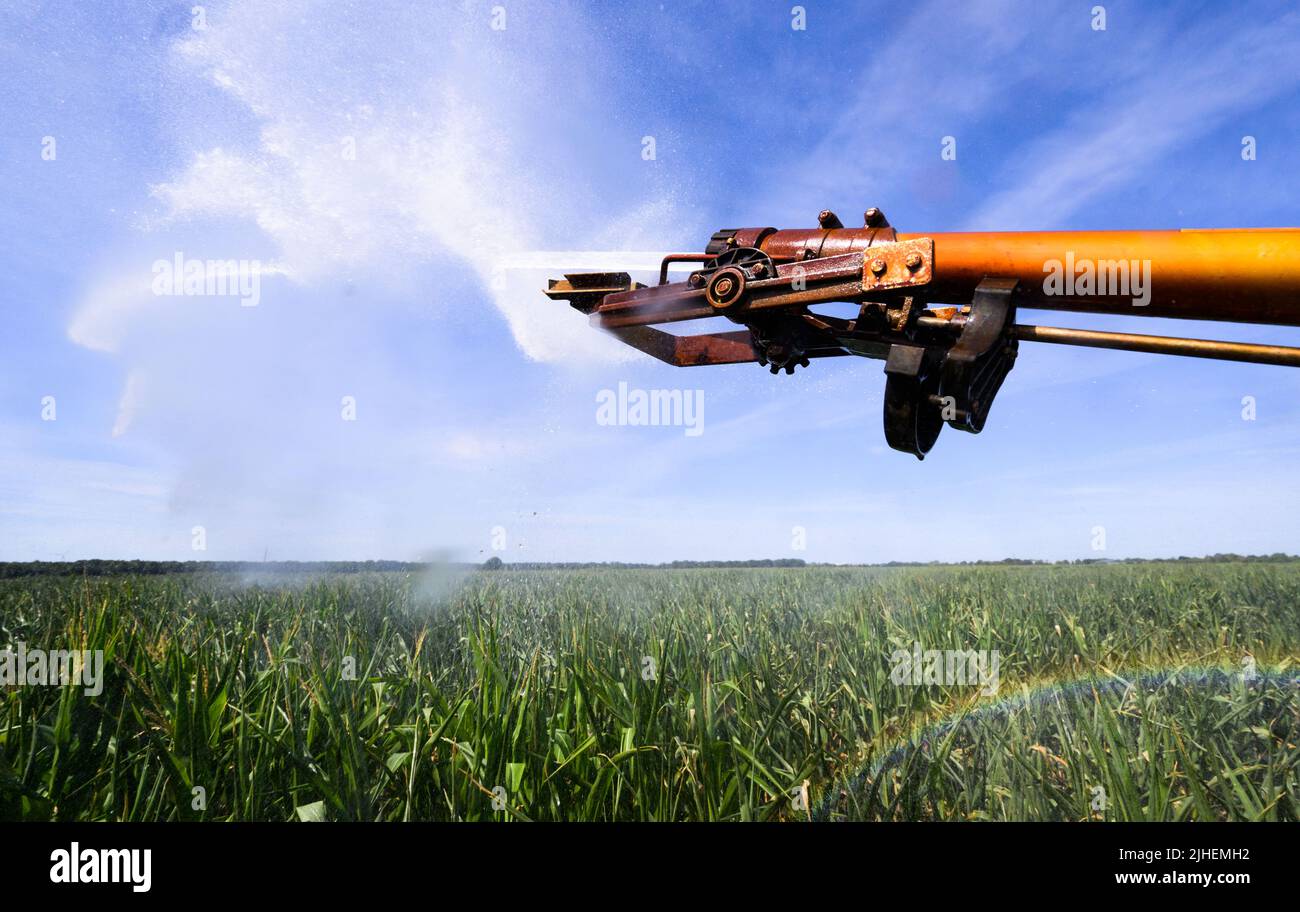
(1041, 695)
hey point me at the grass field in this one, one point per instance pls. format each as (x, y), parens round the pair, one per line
(661, 695)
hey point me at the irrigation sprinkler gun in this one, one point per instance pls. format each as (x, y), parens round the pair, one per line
(945, 364)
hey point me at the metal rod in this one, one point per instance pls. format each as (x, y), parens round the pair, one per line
(681, 258)
(1161, 345)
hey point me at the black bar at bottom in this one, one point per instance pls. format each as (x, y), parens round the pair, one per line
(369, 861)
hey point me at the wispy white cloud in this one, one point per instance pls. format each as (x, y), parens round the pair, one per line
(939, 72)
(129, 403)
(1192, 84)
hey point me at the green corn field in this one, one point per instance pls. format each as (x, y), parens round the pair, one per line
(1124, 692)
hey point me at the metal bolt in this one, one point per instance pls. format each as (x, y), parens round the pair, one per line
(723, 288)
(760, 270)
(695, 280)
(914, 261)
(878, 267)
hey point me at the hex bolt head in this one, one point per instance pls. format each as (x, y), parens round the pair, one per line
(878, 267)
(914, 261)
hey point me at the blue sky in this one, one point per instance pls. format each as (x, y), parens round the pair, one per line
(408, 276)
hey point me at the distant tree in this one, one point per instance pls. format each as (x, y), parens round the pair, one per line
(493, 563)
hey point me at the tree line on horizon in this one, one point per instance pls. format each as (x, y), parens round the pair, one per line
(101, 567)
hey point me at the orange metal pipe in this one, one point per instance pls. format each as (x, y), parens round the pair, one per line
(1246, 276)
(1249, 275)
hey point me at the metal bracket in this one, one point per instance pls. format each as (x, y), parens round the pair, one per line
(982, 356)
(930, 385)
(689, 351)
(585, 291)
(902, 264)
